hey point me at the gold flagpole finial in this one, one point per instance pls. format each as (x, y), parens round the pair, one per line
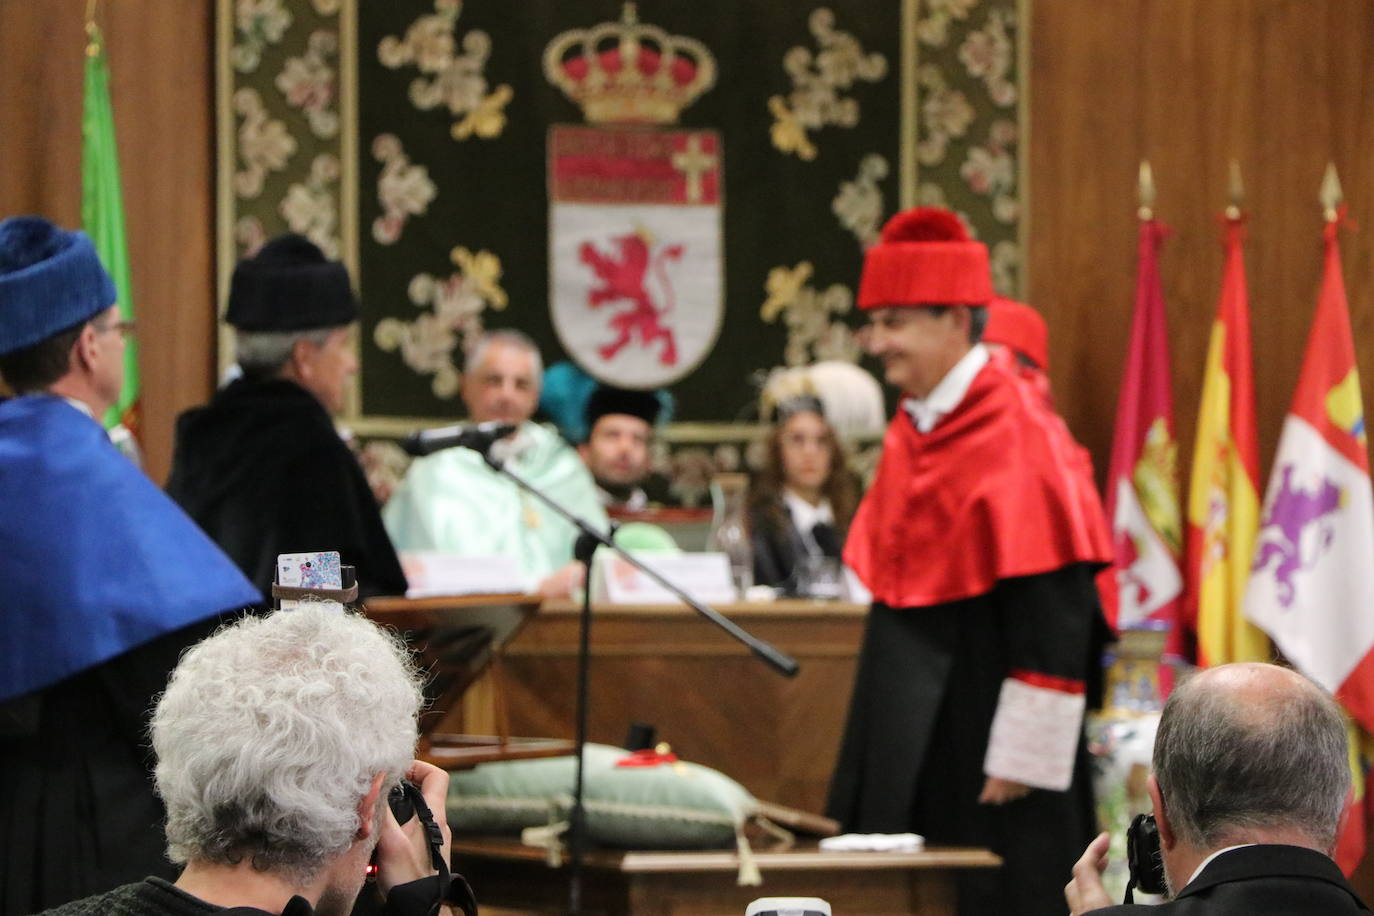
(1331, 195)
(1146, 190)
(1237, 191)
(92, 30)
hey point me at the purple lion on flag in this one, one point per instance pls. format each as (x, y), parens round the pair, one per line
(1293, 510)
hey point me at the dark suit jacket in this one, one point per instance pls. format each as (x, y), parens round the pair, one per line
(1266, 880)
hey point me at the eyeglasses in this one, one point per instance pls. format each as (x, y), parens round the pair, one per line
(125, 328)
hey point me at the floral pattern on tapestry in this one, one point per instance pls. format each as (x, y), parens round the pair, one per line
(819, 79)
(968, 144)
(810, 314)
(450, 79)
(457, 303)
(287, 122)
(403, 189)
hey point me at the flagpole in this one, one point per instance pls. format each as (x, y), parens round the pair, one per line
(92, 30)
(1237, 192)
(1331, 196)
(1146, 191)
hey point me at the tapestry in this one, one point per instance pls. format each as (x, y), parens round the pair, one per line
(669, 195)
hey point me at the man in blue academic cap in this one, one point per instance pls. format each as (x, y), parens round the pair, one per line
(103, 581)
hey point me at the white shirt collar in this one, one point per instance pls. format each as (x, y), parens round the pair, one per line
(80, 405)
(1208, 861)
(637, 501)
(946, 395)
(806, 517)
(512, 447)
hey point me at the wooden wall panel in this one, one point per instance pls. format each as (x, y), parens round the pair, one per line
(162, 83)
(1282, 86)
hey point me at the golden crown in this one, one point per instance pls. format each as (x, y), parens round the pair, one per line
(629, 72)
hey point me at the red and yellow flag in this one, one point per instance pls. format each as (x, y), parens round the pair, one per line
(1142, 483)
(1223, 497)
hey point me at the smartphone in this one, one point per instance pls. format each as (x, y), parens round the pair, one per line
(320, 569)
(788, 906)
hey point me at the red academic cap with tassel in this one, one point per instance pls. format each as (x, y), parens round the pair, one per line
(925, 257)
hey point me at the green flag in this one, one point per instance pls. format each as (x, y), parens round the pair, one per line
(102, 210)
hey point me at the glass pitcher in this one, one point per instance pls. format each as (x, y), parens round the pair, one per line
(730, 527)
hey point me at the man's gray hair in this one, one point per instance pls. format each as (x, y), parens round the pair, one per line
(271, 732)
(262, 354)
(511, 338)
(1225, 768)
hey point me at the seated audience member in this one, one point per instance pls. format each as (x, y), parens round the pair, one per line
(620, 426)
(803, 499)
(261, 468)
(452, 501)
(1249, 785)
(277, 742)
(103, 581)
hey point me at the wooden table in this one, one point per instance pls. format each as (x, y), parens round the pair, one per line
(708, 696)
(507, 875)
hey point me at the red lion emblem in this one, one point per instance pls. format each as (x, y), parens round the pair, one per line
(624, 278)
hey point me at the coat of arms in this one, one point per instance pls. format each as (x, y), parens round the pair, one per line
(635, 205)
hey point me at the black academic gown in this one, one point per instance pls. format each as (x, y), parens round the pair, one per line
(262, 470)
(1272, 880)
(79, 814)
(925, 693)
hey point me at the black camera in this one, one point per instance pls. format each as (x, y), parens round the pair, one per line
(423, 897)
(1143, 857)
(401, 802)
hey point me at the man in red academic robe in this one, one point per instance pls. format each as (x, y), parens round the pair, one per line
(979, 540)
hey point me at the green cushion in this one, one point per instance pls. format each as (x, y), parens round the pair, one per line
(645, 536)
(672, 806)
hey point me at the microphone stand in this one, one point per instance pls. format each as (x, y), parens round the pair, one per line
(588, 540)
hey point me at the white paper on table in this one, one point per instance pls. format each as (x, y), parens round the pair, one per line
(704, 576)
(874, 842)
(1034, 736)
(435, 572)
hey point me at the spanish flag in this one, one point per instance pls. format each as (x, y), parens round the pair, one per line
(1223, 498)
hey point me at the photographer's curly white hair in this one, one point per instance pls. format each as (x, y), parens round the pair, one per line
(271, 731)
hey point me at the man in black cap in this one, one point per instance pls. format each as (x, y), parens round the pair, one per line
(620, 426)
(261, 467)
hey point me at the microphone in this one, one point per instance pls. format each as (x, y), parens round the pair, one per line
(826, 539)
(478, 437)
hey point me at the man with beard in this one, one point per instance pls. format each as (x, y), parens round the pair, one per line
(278, 740)
(620, 426)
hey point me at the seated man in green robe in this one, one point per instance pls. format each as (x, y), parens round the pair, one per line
(451, 500)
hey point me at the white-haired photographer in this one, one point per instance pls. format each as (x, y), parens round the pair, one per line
(278, 740)
(1250, 781)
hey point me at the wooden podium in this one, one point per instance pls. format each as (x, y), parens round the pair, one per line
(708, 697)
(459, 638)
